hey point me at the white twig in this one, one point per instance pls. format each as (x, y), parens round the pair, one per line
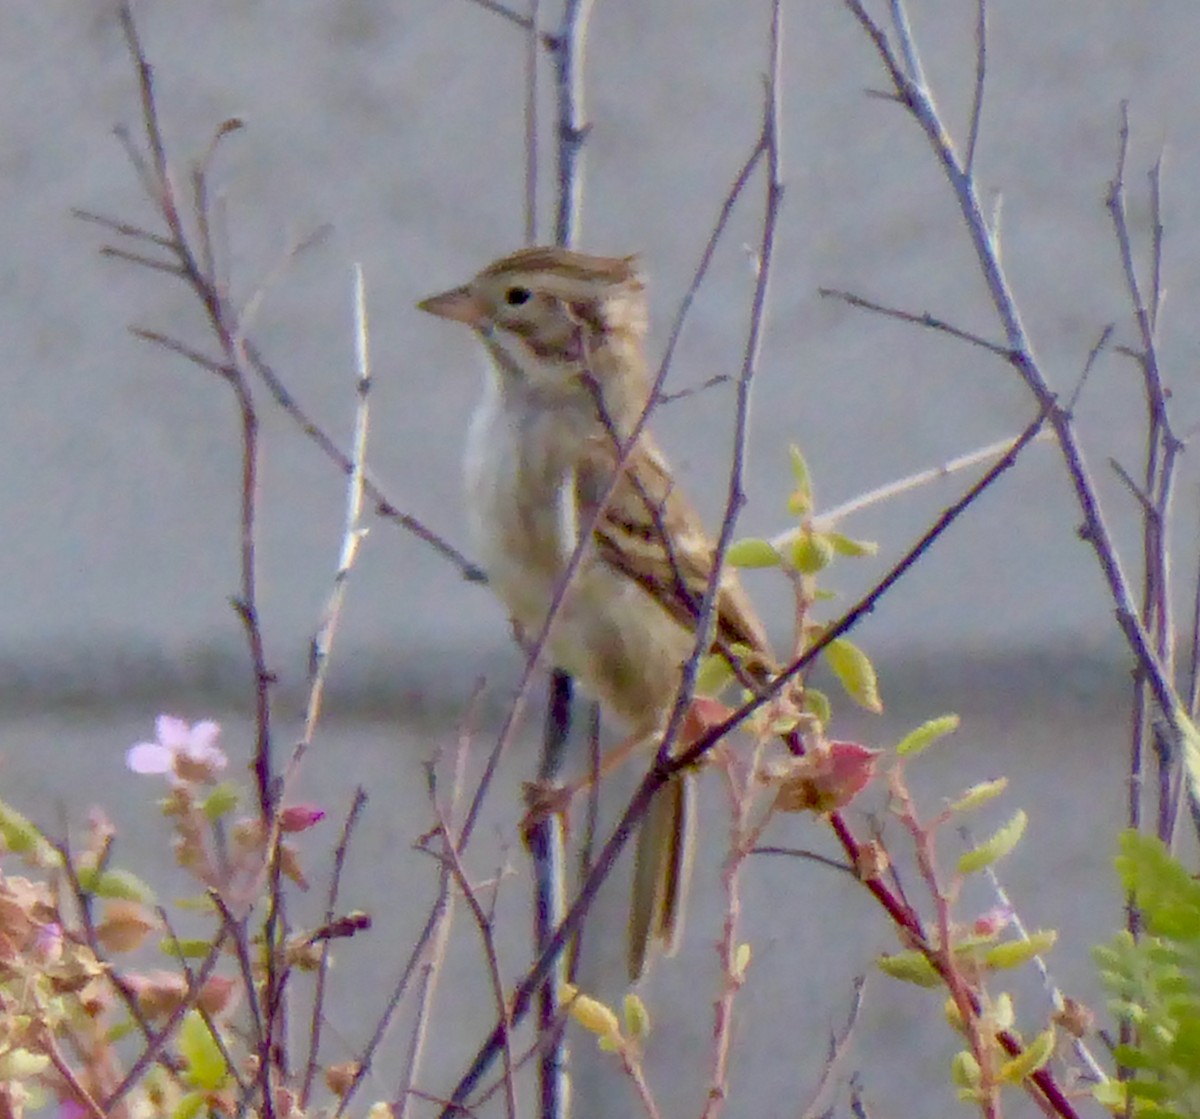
(354, 531)
(830, 517)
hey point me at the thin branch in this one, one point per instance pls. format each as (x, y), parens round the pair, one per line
(426, 955)
(353, 531)
(569, 53)
(122, 228)
(695, 390)
(532, 57)
(1098, 347)
(828, 518)
(839, 1046)
(919, 318)
(525, 23)
(1024, 361)
(804, 853)
(318, 1008)
(483, 924)
(980, 78)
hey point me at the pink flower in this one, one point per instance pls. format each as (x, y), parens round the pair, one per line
(993, 922)
(182, 752)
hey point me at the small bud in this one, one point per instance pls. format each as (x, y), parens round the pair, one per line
(300, 817)
(993, 922)
(872, 861)
(591, 1013)
(637, 1017)
(1077, 1019)
(339, 1078)
(741, 961)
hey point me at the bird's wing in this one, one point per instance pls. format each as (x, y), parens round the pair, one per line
(650, 533)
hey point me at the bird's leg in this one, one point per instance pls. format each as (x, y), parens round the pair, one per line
(544, 798)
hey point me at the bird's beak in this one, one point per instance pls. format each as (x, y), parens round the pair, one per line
(459, 304)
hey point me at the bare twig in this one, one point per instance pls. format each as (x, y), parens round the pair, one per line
(63, 1068)
(1021, 356)
(839, 1046)
(1098, 347)
(318, 1008)
(919, 318)
(505, 12)
(353, 531)
(980, 82)
(483, 924)
(569, 54)
(828, 518)
(425, 959)
(532, 57)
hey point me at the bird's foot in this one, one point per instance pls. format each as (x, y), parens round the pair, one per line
(544, 799)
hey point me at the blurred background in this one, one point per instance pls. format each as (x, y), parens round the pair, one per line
(399, 124)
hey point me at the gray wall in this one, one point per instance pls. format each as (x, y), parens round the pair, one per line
(400, 124)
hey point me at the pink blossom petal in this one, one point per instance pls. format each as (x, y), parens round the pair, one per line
(173, 732)
(150, 757)
(202, 745)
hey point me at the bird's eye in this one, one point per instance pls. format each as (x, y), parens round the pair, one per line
(514, 297)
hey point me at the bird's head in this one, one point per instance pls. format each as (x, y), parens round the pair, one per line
(557, 322)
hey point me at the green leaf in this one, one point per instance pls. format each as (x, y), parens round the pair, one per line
(189, 1106)
(1163, 888)
(910, 967)
(979, 794)
(800, 501)
(221, 801)
(994, 848)
(752, 552)
(115, 884)
(190, 948)
(855, 673)
(964, 1070)
(1014, 953)
(637, 1017)
(817, 704)
(811, 552)
(926, 735)
(204, 1065)
(22, 837)
(1111, 1094)
(1026, 1063)
(846, 546)
(21, 1064)
(712, 674)
(1191, 750)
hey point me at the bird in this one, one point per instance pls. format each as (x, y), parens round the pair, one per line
(547, 453)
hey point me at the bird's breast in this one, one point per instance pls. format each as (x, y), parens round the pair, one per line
(608, 633)
(520, 507)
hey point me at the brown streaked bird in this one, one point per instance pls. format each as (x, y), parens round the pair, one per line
(564, 331)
